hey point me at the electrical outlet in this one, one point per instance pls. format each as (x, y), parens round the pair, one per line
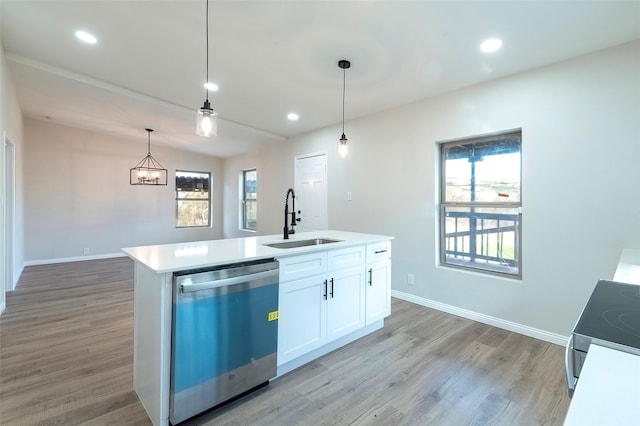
(86, 250)
(411, 279)
(349, 196)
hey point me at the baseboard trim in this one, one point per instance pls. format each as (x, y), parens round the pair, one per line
(536, 333)
(17, 276)
(72, 259)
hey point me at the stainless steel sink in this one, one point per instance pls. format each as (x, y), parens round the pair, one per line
(302, 243)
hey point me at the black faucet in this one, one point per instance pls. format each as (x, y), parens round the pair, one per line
(288, 231)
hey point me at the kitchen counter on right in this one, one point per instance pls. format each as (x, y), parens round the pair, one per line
(628, 270)
(608, 391)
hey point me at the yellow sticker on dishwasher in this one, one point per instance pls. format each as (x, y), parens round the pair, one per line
(273, 315)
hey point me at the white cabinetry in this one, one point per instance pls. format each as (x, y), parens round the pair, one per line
(319, 304)
(345, 302)
(303, 317)
(378, 288)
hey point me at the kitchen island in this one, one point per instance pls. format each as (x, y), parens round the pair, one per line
(311, 321)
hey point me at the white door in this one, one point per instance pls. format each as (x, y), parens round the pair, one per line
(311, 192)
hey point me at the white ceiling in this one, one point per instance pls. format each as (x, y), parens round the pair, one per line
(273, 57)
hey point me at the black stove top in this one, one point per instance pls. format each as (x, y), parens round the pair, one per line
(612, 314)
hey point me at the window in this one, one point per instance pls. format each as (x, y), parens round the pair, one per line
(480, 201)
(193, 199)
(249, 199)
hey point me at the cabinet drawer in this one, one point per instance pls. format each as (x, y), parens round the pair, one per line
(345, 258)
(379, 251)
(306, 265)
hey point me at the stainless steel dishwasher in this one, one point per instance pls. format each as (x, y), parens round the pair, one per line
(224, 335)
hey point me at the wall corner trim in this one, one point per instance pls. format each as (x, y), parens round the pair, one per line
(536, 333)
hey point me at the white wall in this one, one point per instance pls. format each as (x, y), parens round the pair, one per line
(77, 194)
(233, 168)
(10, 125)
(580, 122)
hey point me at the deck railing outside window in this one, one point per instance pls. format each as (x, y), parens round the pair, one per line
(488, 240)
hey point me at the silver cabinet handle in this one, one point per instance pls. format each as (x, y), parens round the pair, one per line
(188, 288)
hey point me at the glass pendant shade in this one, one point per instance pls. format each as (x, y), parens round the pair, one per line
(207, 123)
(343, 148)
(207, 118)
(148, 171)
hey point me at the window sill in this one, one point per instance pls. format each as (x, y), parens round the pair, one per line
(453, 268)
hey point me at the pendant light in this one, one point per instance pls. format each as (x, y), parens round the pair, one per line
(148, 171)
(343, 149)
(207, 124)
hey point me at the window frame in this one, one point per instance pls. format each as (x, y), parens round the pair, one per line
(244, 200)
(178, 199)
(444, 205)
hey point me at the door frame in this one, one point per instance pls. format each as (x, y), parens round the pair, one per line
(9, 194)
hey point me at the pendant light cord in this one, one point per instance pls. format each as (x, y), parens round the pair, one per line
(344, 79)
(149, 141)
(207, 32)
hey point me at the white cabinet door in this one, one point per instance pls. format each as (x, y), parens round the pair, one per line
(345, 303)
(378, 287)
(378, 290)
(302, 317)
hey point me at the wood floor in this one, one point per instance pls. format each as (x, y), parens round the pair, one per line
(66, 340)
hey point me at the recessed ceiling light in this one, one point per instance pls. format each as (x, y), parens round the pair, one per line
(86, 37)
(211, 86)
(293, 116)
(491, 45)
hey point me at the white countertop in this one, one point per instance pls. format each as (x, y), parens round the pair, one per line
(628, 270)
(183, 256)
(608, 392)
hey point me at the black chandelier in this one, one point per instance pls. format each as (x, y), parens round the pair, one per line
(148, 171)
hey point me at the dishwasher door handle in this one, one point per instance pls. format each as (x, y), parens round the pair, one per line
(207, 285)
